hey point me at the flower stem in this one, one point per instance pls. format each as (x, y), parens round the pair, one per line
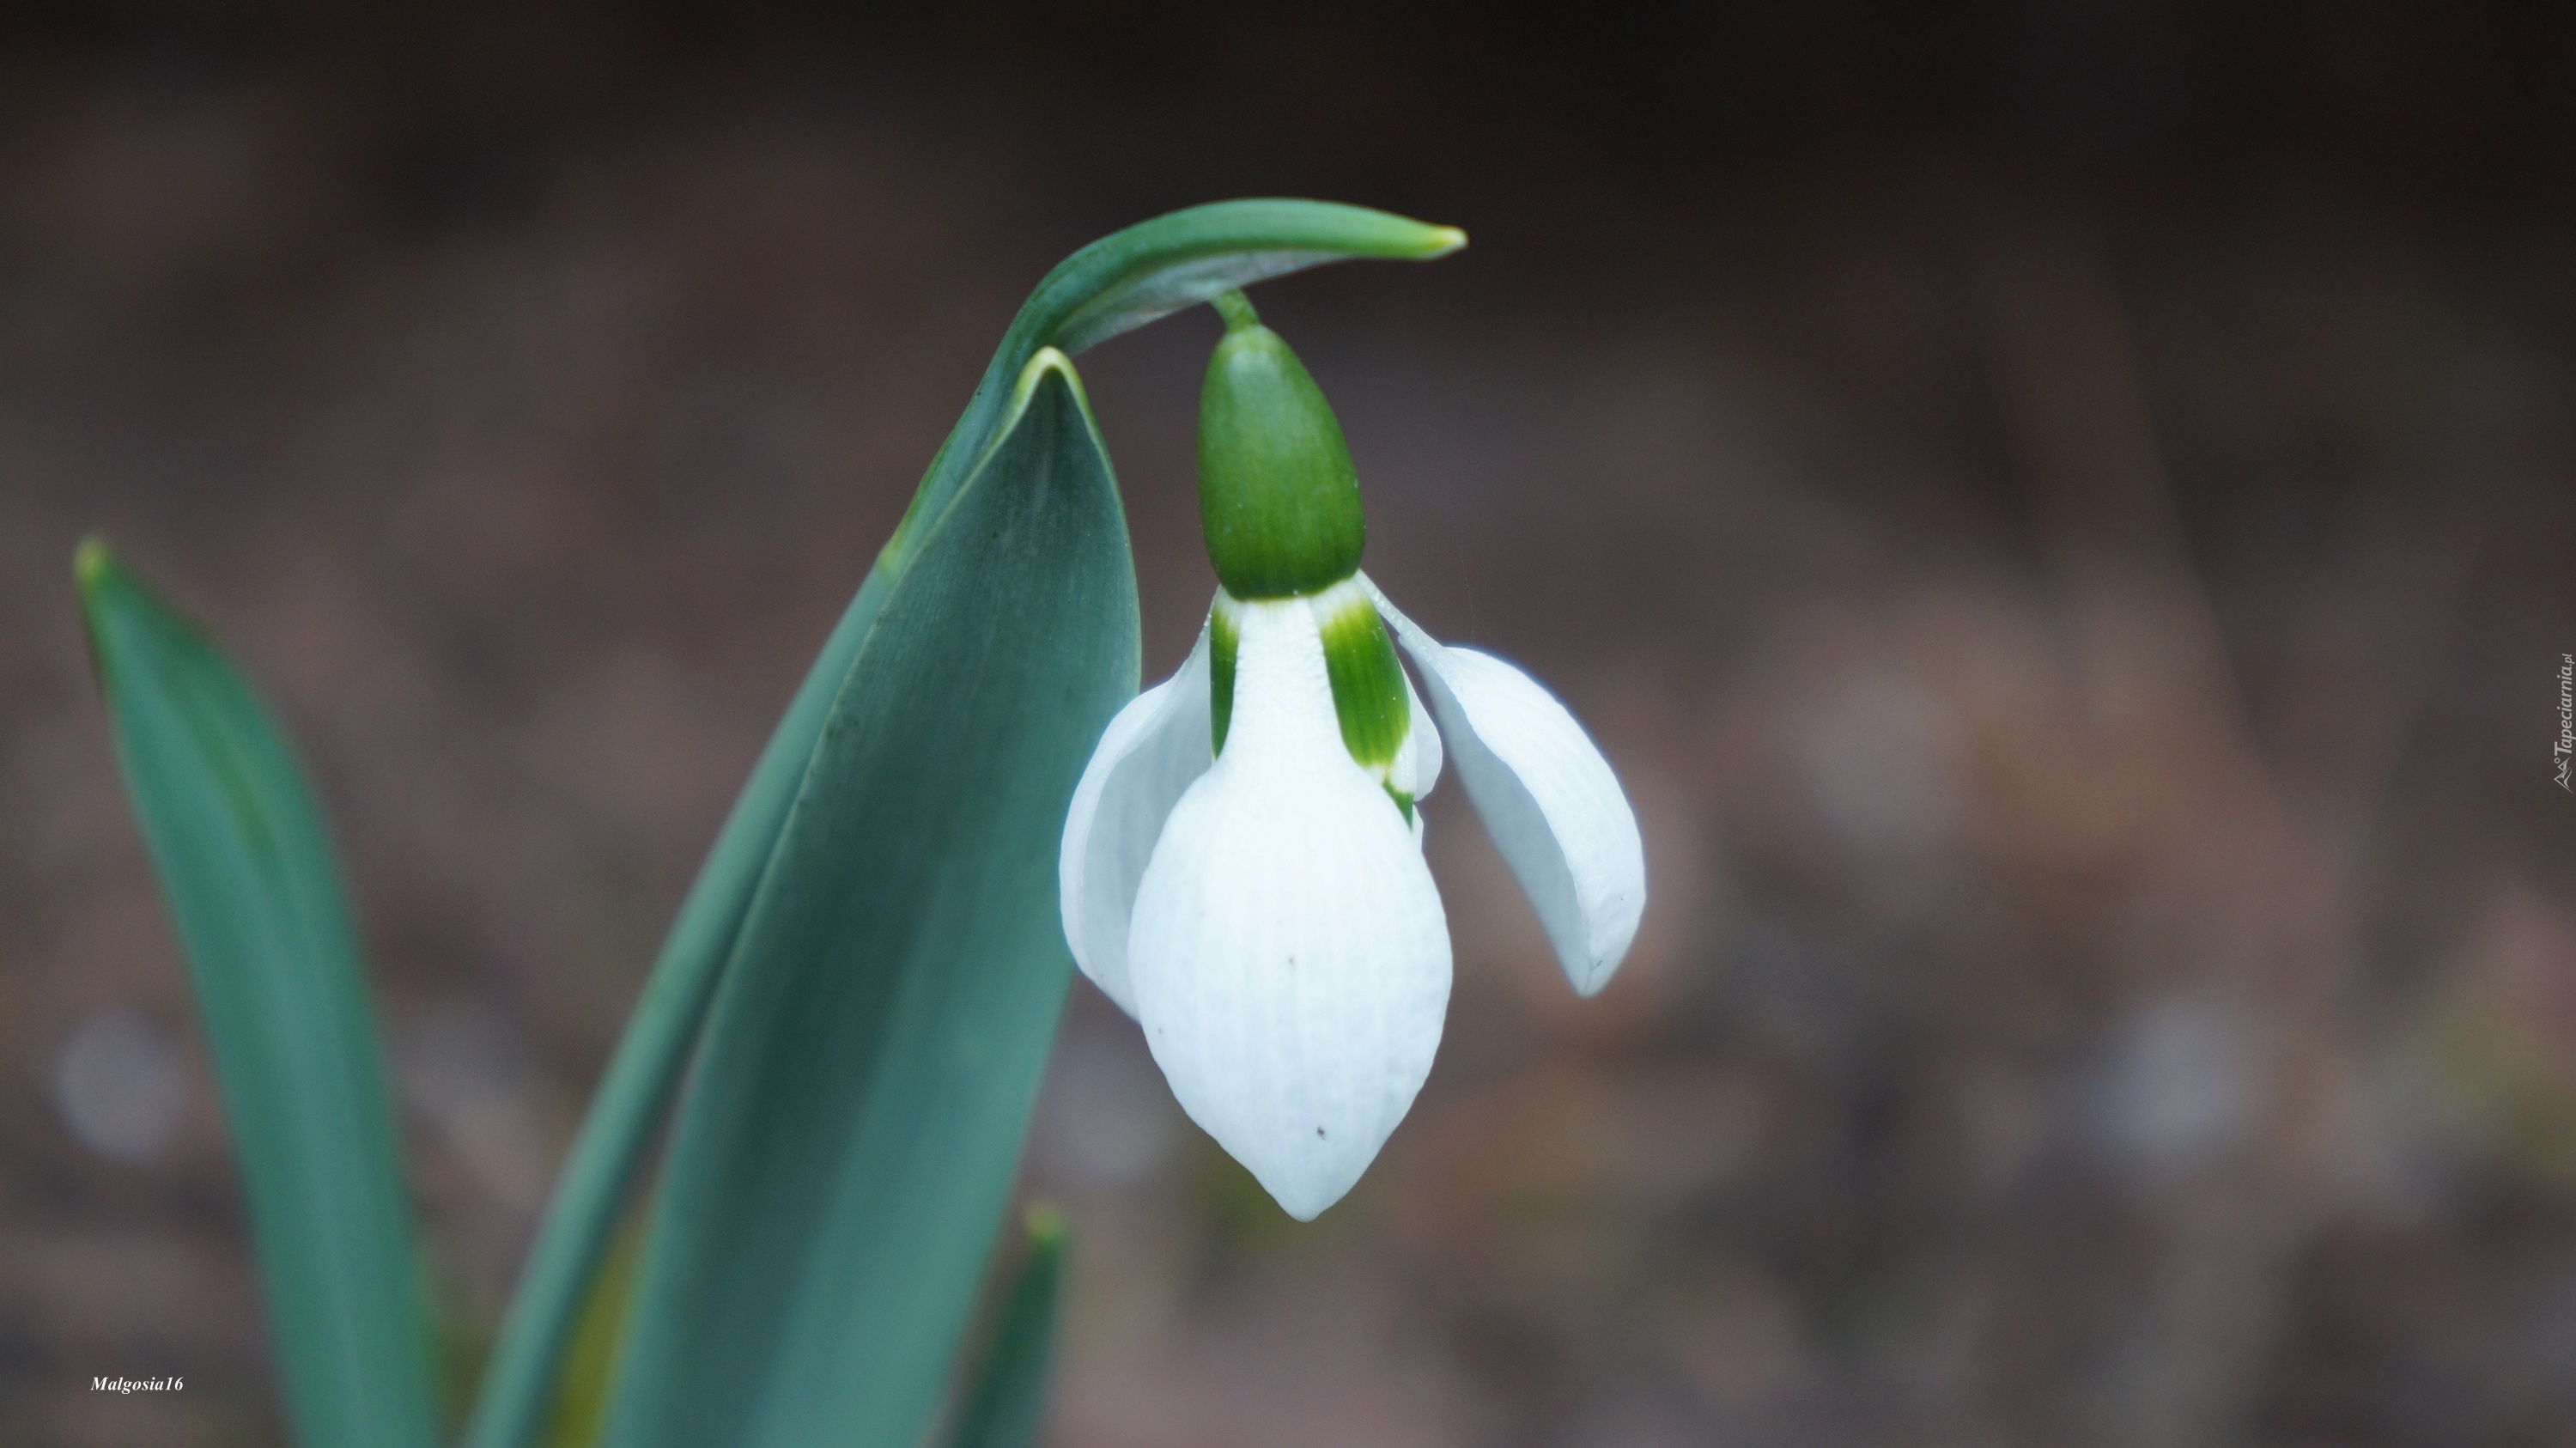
(1236, 308)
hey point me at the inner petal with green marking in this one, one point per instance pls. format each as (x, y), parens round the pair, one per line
(1370, 700)
(1225, 645)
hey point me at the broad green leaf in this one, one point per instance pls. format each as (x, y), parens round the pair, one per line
(1110, 286)
(246, 870)
(1006, 1403)
(848, 1141)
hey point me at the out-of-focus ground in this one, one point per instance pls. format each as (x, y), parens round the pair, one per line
(2061, 516)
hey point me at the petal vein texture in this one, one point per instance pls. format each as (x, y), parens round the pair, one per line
(1288, 954)
(1547, 797)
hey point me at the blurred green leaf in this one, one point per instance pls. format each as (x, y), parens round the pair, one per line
(1110, 286)
(590, 1360)
(246, 870)
(1006, 1403)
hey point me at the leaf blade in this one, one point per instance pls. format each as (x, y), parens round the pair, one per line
(1006, 1404)
(608, 1152)
(855, 1116)
(245, 867)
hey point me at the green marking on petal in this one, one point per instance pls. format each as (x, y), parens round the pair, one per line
(1403, 802)
(1368, 683)
(1225, 641)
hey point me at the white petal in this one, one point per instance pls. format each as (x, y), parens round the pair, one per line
(1290, 961)
(1417, 763)
(1148, 755)
(1547, 797)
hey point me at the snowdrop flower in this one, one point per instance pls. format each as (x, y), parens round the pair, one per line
(1242, 867)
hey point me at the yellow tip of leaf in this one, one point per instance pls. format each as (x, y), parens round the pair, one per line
(91, 561)
(1045, 1224)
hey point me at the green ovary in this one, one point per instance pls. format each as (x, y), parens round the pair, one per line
(1278, 501)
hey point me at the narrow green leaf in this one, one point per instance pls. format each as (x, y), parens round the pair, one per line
(246, 870)
(1110, 286)
(857, 1107)
(1006, 1404)
(600, 1170)
(590, 1359)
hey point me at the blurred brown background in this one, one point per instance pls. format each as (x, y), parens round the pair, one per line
(2060, 514)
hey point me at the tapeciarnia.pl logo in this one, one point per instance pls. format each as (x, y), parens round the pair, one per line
(2565, 749)
(137, 1385)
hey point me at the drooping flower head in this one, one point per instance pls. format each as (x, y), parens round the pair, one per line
(1242, 867)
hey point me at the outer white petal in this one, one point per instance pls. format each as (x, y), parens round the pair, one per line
(1147, 756)
(1547, 797)
(1289, 958)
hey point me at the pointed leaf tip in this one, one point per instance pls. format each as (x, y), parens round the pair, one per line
(92, 561)
(1045, 362)
(1045, 1224)
(1005, 1402)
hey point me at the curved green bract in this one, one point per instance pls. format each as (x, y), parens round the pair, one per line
(855, 1115)
(1006, 1403)
(246, 869)
(1155, 268)
(1115, 284)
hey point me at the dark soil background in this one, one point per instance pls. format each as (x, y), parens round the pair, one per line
(2060, 513)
